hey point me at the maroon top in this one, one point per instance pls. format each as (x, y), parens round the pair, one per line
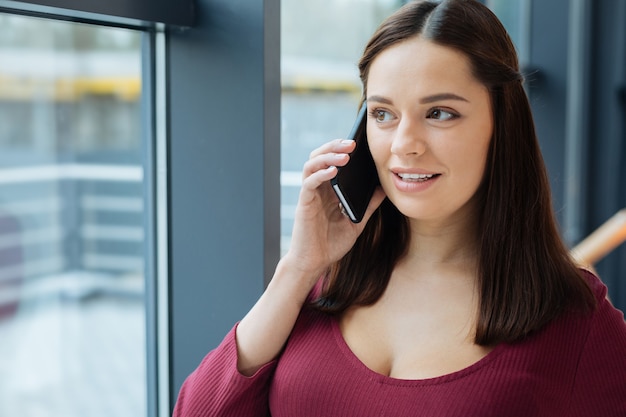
(576, 366)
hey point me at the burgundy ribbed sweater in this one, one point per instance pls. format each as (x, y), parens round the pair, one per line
(576, 366)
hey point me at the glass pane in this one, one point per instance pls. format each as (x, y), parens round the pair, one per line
(515, 16)
(72, 323)
(320, 81)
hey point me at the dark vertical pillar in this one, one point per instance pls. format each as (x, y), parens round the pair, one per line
(607, 136)
(224, 150)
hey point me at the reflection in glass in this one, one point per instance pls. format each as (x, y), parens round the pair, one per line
(320, 48)
(515, 16)
(72, 324)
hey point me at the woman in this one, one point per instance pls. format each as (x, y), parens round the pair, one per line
(456, 296)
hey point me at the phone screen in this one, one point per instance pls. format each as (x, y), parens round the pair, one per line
(356, 182)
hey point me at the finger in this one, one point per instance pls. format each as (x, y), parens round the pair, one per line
(319, 177)
(334, 146)
(377, 198)
(323, 162)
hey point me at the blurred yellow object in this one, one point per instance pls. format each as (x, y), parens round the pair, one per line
(69, 89)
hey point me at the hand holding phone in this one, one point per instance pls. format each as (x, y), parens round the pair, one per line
(356, 182)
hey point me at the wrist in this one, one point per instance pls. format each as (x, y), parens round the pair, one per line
(291, 278)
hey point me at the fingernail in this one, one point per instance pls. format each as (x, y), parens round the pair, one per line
(346, 141)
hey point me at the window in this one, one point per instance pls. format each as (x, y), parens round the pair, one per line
(72, 317)
(320, 81)
(515, 16)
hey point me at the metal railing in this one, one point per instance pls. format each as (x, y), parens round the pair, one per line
(83, 221)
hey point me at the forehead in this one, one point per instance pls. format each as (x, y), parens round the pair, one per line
(420, 64)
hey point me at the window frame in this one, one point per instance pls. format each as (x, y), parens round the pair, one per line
(154, 143)
(119, 12)
(227, 66)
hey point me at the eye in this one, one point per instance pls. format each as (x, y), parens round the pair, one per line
(441, 114)
(380, 115)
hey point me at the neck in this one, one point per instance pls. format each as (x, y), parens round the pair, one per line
(436, 242)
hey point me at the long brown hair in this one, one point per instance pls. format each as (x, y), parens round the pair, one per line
(526, 276)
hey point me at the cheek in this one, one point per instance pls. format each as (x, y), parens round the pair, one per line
(472, 161)
(474, 153)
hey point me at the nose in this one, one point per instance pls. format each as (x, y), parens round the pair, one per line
(409, 139)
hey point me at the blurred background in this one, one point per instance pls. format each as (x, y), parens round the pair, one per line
(75, 166)
(71, 224)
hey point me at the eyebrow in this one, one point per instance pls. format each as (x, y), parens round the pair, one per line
(441, 97)
(379, 99)
(424, 100)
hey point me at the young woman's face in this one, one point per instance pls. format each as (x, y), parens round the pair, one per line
(429, 127)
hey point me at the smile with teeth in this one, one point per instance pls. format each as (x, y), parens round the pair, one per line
(416, 177)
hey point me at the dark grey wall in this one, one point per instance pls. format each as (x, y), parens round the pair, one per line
(224, 170)
(600, 180)
(607, 135)
(547, 79)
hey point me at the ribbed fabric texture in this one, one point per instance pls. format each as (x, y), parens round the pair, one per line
(575, 367)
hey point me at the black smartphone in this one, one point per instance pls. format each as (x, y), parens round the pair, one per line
(356, 182)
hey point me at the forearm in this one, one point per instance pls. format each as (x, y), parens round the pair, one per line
(263, 332)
